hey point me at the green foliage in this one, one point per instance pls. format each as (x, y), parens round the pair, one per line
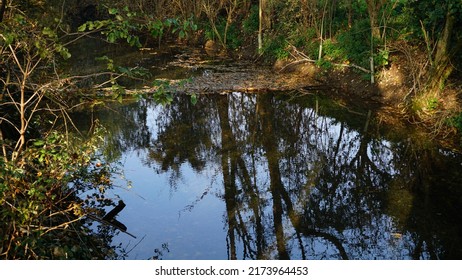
(26, 45)
(185, 28)
(276, 47)
(134, 72)
(31, 37)
(209, 34)
(324, 64)
(156, 28)
(381, 58)
(193, 99)
(233, 37)
(432, 103)
(333, 51)
(304, 38)
(251, 22)
(300, 27)
(354, 44)
(162, 94)
(281, 53)
(109, 62)
(431, 13)
(122, 25)
(40, 199)
(41, 183)
(428, 16)
(127, 25)
(426, 104)
(456, 122)
(164, 91)
(117, 90)
(231, 32)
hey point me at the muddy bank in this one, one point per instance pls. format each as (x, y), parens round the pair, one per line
(388, 98)
(248, 78)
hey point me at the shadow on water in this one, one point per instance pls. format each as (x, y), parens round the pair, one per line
(267, 177)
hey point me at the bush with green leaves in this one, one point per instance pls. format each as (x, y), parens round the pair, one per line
(355, 43)
(275, 47)
(45, 195)
(251, 23)
(127, 25)
(456, 121)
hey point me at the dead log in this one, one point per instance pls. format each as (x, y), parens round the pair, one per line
(110, 216)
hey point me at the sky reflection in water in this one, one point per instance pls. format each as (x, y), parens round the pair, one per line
(257, 177)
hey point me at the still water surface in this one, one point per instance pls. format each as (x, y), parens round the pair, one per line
(266, 176)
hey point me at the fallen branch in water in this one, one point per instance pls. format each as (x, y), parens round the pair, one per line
(114, 223)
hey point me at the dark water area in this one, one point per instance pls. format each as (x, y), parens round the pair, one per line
(172, 62)
(273, 176)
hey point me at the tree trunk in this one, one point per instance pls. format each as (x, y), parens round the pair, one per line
(322, 32)
(264, 21)
(261, 18)
(350, 13)
(445, 50)
(2, 9)
(373, 8)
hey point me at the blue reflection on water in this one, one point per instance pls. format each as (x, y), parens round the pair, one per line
(250, 177)
(160, 214)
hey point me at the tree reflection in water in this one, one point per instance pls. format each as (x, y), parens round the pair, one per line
(301, 180)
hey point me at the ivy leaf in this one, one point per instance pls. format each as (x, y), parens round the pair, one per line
(39, 143)
(113, 11)
(82, 27)
(193, 99)
(63, 51)
(48, 32)
(111, 37)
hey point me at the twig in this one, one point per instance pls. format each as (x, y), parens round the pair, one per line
(353, 66)
(297, 62)
(302, 58)
(48, 229)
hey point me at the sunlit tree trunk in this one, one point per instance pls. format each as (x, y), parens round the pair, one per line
(261, 6)
(373, 9)
(264, 21)
(322, 31)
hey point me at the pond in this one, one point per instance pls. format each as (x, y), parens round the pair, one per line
(276, 176)
(283, 174)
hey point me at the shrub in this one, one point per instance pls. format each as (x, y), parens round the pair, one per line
(251, 23)
(355, 43)
(42, 203)
(456, 121)
(275, 48)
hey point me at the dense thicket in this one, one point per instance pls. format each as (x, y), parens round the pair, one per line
(361, 32)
